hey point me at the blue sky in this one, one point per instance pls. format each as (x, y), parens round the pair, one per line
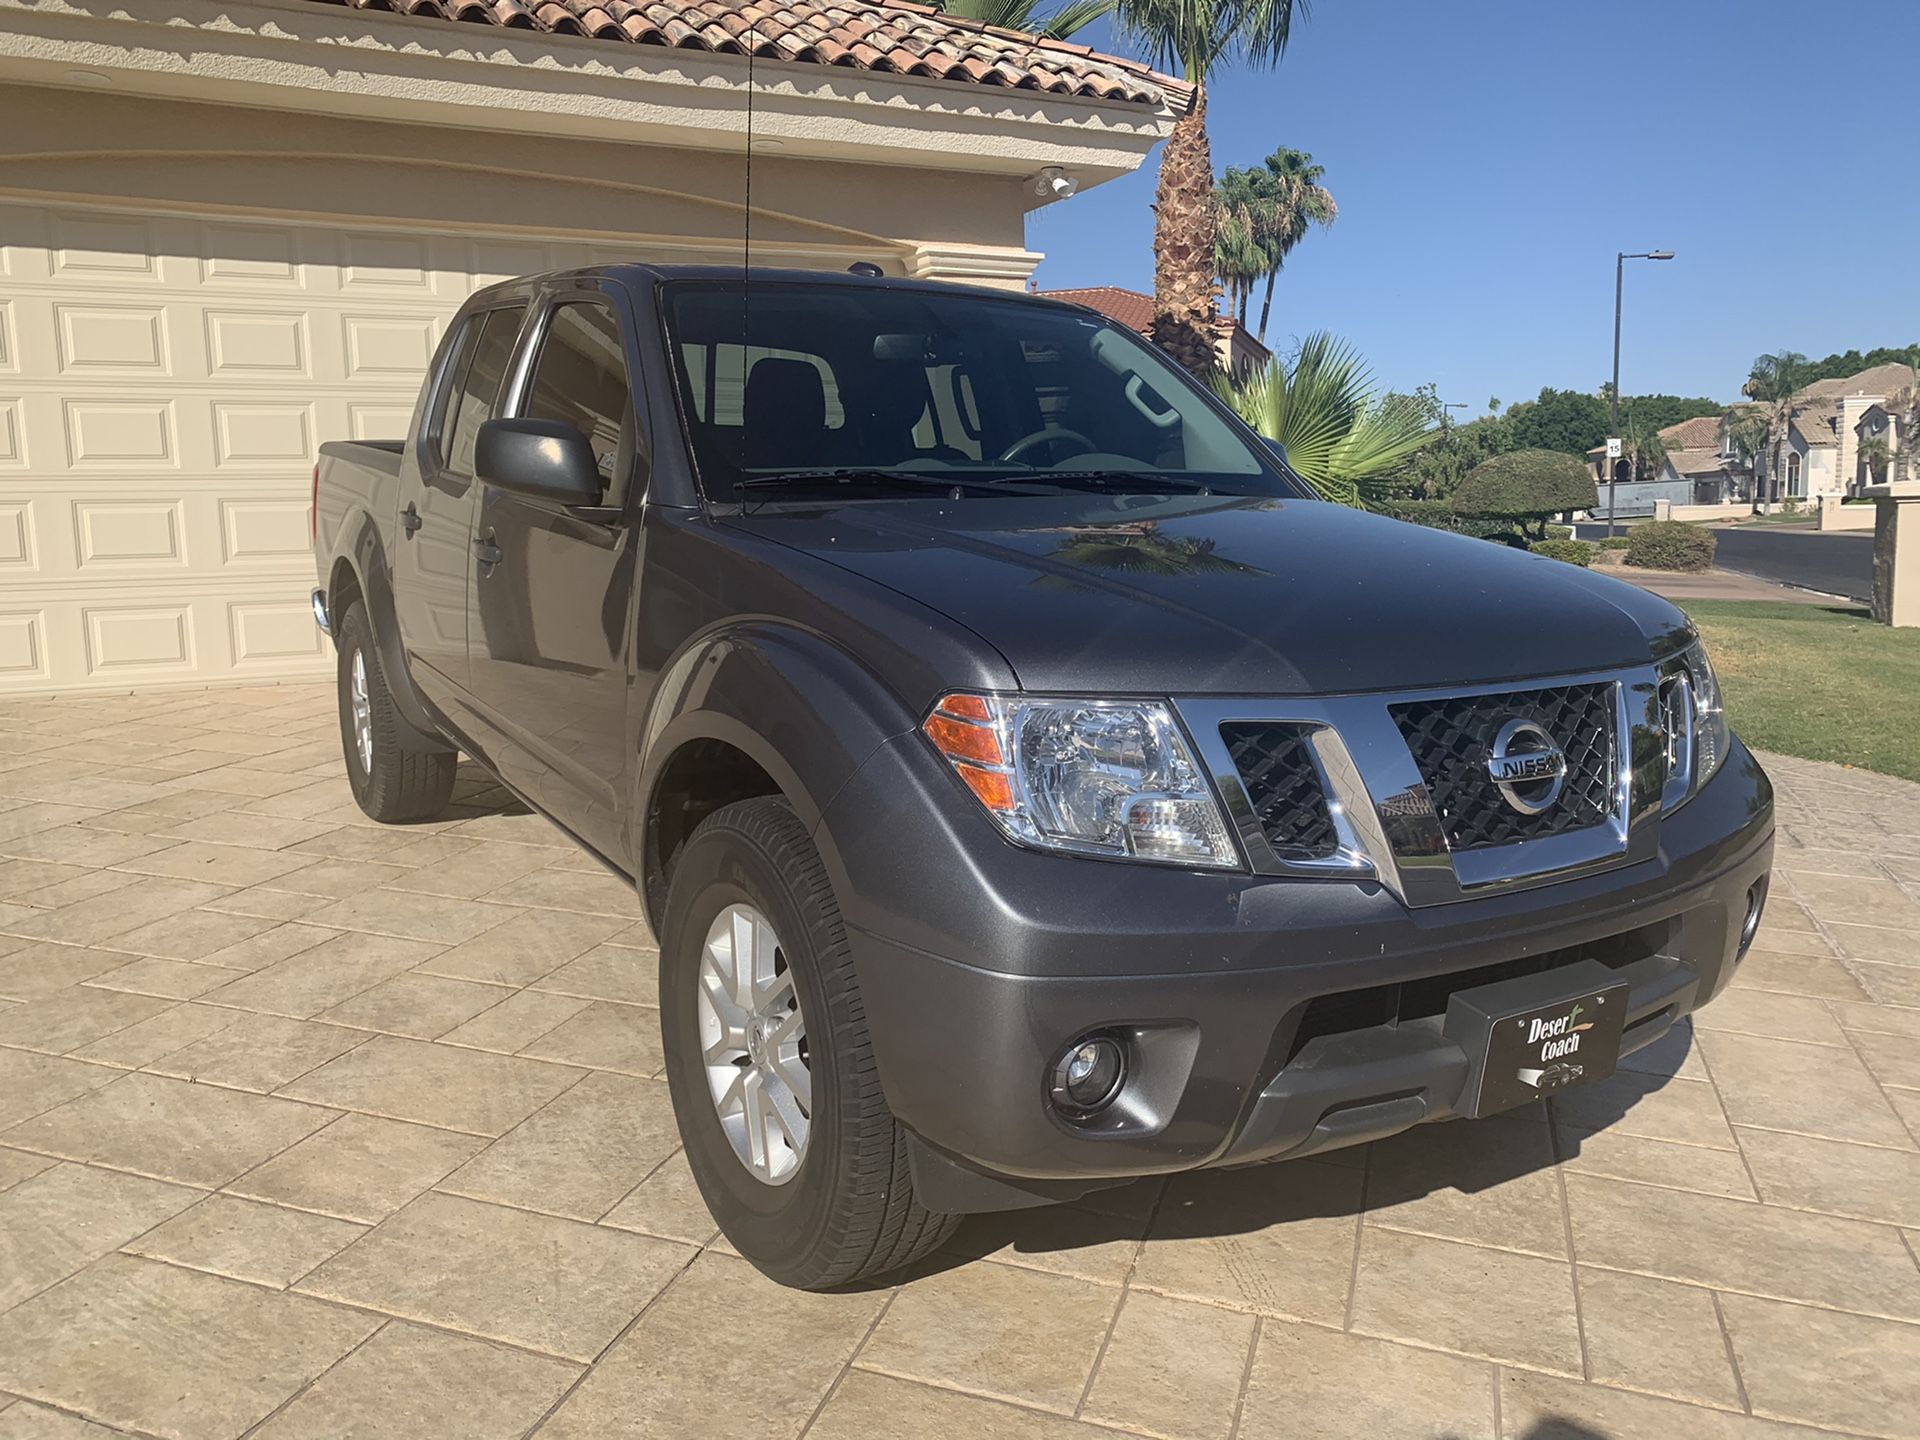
(1490, 157)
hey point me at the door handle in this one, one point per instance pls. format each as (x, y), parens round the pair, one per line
(486, 551)
(410, 518)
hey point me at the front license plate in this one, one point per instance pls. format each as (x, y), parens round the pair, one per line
(1522, 1047)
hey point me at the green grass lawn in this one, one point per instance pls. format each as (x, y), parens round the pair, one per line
(1820, 683)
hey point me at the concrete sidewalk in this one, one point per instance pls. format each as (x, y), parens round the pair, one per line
(1680, 586)
(313, 1128)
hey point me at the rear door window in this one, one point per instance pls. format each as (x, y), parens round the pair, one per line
(476, 397)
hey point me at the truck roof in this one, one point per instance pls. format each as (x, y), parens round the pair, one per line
(636, 271)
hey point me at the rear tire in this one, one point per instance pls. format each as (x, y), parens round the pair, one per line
(397, 774)
(839, 1205)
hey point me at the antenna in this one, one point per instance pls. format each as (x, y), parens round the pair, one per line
(746, 224)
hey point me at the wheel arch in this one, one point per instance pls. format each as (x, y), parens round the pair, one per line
(761, 708)
(361, 570)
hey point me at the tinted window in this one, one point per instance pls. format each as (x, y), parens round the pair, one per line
(581, 378)
(448, 401)
(981, 388)
(478, 392)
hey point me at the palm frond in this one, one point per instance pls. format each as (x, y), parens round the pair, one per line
(1191, 37)
(1340, 435)
(1074, 16)
(1026, 15)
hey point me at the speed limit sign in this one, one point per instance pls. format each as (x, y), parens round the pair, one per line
(1613, 447)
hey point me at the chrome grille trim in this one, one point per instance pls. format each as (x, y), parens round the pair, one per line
(1382, 805)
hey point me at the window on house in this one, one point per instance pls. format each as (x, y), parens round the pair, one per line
(1796, 481)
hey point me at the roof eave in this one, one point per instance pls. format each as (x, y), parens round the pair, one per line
(298, 56)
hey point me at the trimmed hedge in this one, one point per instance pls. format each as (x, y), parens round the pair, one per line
(1615, 542)
(1671, 545)
(1559, 532)
(1526, 483)
(1574, 552)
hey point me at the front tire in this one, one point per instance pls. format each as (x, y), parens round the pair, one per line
(397, 774)
(772, 1071)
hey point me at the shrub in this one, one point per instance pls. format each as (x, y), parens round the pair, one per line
(1671, 545)
(1615, 542)
(1574, 552)
(1559, 532)
(1526, 485)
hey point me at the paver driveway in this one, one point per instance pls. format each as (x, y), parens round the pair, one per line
(314, 1128)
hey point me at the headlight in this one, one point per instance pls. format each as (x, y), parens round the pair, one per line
(1091, 777)
(1695, 717)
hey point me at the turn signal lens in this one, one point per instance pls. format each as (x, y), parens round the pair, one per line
(968, 707)
(993, 787)
(958, 740)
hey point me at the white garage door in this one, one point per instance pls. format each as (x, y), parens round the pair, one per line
(165, 382)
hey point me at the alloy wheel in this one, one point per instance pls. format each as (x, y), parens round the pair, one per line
(753, 1039)
(362, 712)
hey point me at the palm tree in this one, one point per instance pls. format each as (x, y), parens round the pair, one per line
(1876, 455)
(1264, 211)
(1341, 434)
(1748, 432)
(1025, 15)
(1304, 202)
(1905, 408)
(1646, 451)
(1240, 251)
(1194, 37)
(1773, 381)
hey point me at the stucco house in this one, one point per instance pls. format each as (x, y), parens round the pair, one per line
(1701, 456)
(1701, 467)
(231, 229)
(1239, 351)
(1880, 421)
(1822, 452)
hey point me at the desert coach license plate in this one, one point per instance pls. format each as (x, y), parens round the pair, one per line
(1521, 1046)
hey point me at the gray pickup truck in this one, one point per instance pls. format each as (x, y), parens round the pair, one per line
(1031, 787)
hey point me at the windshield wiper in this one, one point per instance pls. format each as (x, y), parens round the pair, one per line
(862, 475)
(1144, 479)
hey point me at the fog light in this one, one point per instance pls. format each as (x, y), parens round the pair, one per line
(1087, 1076)
(1756, 903)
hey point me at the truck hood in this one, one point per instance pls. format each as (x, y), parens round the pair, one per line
(1228, 595)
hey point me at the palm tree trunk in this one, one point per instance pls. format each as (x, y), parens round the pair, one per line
(1184, 305)
(1266, 304)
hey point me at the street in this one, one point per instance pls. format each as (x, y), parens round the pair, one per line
(1834, 564)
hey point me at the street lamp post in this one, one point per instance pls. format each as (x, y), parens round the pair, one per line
(1613, 428)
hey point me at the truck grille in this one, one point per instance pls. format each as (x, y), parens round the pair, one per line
(1451, 738)
(1283, 784)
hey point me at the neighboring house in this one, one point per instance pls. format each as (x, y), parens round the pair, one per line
(232, 229)
(1239, 352)
(1700, 453)
(1879, 421)
(1821, 456)
(1700, 468)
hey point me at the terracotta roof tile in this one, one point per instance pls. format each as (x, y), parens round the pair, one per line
(1700, 433)
(897, 37)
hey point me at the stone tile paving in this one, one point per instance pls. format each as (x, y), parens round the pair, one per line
(312, 1128)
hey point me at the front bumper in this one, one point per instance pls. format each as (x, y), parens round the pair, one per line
(1271, 1017)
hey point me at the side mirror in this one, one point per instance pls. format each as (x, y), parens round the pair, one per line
(546, 459)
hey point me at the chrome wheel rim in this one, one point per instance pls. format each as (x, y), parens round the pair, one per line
(753, 1041)
(362, 712)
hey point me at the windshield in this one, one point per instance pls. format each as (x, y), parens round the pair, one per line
(899, 389)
